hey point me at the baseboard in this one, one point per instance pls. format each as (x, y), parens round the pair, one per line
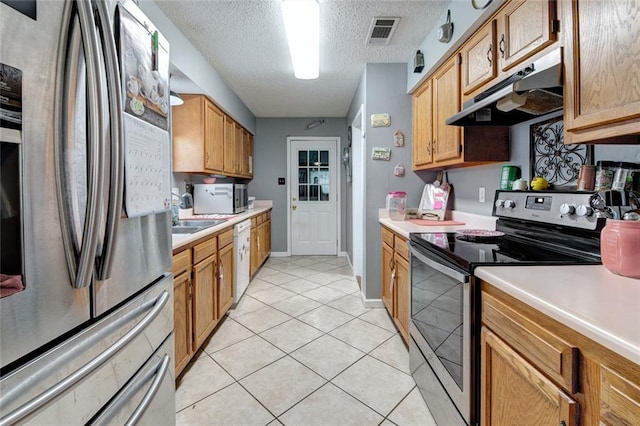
(372, 303)
(280, 254)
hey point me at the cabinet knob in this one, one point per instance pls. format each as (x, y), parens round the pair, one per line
(562, 423)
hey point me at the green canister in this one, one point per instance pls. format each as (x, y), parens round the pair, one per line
(509, 175)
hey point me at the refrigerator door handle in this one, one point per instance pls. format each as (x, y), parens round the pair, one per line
(156, 305)
(157, 373)
(80, 255)
(115, 175)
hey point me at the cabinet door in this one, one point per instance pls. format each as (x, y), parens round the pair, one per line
(446, 94)
(619, 399)
(602, 99)
(187, 127)
(478, 59)
(229, 146)
(225, 279)
(214, 138)
(525, 28)
(254, 250)
(247, 159)
(402, 296)
(239, 154)
(388, 278)
(267, 238)
(182, 320)
(422, 125)
(204, 300)
(514, 392)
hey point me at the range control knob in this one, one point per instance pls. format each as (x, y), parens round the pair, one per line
(567, 209)
(499, 203)
(583, 210)
(509, 204)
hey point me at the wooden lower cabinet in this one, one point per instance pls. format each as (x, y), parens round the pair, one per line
(204, 300)
(395, 285)
(225, 278)
(182, 319)
(260, 240)
(516, 393)
(537, 371)
(203, 292)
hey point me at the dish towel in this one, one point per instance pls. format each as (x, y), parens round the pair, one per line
(10, 284)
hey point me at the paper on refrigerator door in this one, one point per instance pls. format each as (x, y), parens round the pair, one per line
(147, 174)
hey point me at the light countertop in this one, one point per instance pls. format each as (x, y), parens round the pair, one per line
(591, 300)
(182, 240)
(470, 220)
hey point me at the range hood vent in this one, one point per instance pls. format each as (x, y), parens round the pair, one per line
(382, 30)
(533, 91)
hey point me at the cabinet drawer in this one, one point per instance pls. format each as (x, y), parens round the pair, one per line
(225, 237)
(254, 222)
(401, 247)
(387, 237)
(181, 262)
(619, 399)
(268, 214)
(552, 355)
(259, 219)
(204, 250)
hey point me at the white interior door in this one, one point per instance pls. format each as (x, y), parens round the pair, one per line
(313, 197)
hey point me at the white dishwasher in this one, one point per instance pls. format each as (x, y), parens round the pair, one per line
(242, 257)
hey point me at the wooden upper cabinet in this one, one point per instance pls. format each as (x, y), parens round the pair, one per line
(422, 125)
(447, 140)
(479, 58)
(602, 55)
(214, 138)
(239, 147)
(525, 27)
(229, 146)
(197, 136)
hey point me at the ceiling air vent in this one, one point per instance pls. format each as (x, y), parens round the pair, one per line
(381, 30)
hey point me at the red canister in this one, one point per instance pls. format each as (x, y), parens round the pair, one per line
(620, 247)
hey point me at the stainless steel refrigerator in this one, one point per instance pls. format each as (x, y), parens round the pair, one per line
(86, 293)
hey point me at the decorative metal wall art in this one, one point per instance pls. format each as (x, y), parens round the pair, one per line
(551, 159)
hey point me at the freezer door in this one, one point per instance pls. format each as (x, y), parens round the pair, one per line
(48, 306)
(149, 397)
(73, 382)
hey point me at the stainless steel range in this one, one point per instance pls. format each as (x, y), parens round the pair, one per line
(534, 228)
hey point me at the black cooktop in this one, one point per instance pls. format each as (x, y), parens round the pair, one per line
(452, 249)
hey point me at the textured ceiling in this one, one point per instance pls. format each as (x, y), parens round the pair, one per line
(244, 40)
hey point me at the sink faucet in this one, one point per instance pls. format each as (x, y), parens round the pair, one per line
(186, 202)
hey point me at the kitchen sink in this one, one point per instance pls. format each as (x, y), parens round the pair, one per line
(191, 226)
(185, 229)
(201, 223)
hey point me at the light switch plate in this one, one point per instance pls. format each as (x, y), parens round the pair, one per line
(481, 194)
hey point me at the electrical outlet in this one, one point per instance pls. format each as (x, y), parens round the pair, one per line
(481, 194)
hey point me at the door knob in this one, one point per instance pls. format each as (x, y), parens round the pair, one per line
(294, 199)
(294, 207)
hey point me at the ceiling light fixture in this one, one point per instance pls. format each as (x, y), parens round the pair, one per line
(175, 99)
(302, 24)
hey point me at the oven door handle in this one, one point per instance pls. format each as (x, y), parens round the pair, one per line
(458, 276)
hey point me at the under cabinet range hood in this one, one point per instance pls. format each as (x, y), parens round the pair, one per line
(533, 91)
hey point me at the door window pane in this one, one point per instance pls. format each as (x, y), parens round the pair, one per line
(313, 158)
(302, 175)
(313, 192)
(302, 193)
(302, 158)
(324, 158)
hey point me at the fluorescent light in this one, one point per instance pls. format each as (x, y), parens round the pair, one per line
(302, 23)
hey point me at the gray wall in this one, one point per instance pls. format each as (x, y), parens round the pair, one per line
(270, 154)
(192, 64)
(466, 181)
(385, 93)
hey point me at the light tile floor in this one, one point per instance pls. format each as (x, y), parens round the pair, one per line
(301, 349)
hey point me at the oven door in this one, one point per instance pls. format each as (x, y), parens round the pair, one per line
(441, 324)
